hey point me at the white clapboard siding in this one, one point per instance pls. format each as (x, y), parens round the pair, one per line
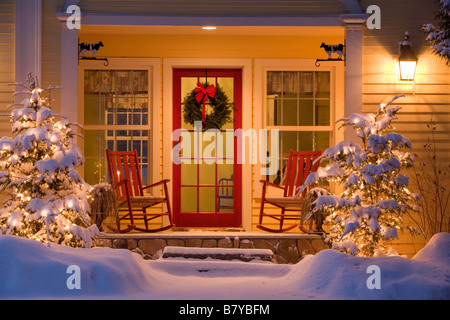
(6, 62)
(429, 97)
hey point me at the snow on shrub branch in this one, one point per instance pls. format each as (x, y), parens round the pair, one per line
(369, 211)
(38, 170)
(438, 36)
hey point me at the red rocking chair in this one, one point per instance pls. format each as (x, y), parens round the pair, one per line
(125, 177)
(300, 164)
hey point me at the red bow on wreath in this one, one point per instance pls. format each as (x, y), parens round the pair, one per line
(202, 93)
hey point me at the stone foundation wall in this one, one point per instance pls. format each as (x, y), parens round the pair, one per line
(286, 249)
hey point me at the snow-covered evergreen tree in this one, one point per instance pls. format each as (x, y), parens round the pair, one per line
(369, 211)
(47, 199)
(438, 36)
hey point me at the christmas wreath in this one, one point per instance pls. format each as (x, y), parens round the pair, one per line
(195, 107)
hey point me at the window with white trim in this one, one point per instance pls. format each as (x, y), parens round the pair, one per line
(117, 114)
(298, 104)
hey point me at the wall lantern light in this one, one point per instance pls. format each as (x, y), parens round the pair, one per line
(407, 61)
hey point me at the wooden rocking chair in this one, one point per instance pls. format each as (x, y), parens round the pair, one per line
(300, 164)
(125, 177)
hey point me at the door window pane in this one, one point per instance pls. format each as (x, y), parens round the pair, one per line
(202, 179)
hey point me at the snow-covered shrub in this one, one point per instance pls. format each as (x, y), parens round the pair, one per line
(438, 37)
(369, 211)
(47, 197)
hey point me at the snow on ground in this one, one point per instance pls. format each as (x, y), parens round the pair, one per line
(31, 270)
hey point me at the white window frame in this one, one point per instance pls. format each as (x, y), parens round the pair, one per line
(262, 66)
(153, 66)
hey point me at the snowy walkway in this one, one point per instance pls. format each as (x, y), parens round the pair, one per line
(31, 270)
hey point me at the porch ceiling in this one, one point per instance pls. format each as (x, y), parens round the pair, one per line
(221, 30)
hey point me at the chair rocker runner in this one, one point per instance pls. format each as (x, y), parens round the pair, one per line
(300, 165)
(125, 178)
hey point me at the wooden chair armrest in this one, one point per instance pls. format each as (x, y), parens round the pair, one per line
(120, 183)
(156, 184)
(265, 182)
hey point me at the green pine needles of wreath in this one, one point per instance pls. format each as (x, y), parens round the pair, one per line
(220, 115)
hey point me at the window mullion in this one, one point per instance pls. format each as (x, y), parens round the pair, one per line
(113, 121)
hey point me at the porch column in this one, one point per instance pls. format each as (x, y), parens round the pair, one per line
(28, 40)
(69, 70)
(353, 68)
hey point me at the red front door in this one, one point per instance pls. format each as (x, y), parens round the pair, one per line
(207, 177)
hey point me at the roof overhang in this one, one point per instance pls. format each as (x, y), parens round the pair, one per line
(226, 25)
(229, 21)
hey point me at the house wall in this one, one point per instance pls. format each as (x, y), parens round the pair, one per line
(208, 46)
(6, 62)
(428, 97)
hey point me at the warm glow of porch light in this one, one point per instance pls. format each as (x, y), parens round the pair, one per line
(407, 70)
(407, 61)
(209, 28)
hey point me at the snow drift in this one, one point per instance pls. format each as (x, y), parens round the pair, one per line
(31, 270)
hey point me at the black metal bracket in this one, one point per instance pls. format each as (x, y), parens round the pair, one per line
(317, 64)
(106, 63)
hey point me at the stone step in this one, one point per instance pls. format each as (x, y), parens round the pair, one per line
(287, 248)
(220, 268)
(246, 255)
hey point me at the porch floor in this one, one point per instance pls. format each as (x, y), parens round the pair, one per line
(287, 247)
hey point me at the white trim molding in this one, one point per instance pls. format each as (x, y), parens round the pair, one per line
(153, 65)
(192, 20)
(28, 39)
(69, 69)
(353, 67)
(261, 67)
(246, 65)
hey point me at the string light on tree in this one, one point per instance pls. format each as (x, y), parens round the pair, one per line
(368, 214)
(38, 172)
